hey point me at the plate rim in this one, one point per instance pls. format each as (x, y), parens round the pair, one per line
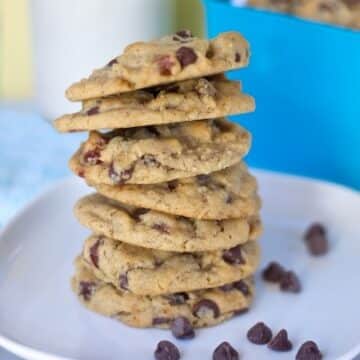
(28, 352)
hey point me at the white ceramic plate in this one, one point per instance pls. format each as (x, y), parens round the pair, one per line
(41, 319)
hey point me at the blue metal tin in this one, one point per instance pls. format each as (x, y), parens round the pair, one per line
(305, 77)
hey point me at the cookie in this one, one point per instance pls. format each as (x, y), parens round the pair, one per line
(157, 230)
(154, 154)
(153, 272)
(328, 11)
(183, 101)
(273, 5)
(201, 308)
(229, 193)
(169, 59)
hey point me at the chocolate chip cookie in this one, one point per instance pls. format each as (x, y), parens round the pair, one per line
(156, 230)
(172, 58)
(187, 100)
(154, 272)
(229, 193)
(155, 154)
(200, 308)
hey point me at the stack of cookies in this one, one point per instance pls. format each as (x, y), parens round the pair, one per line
(175, 216)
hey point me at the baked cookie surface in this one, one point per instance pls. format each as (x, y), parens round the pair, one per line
(172, 58)
(154, 272)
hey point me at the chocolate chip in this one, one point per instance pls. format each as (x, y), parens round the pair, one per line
(177, 298)
(203, 180)
(227, 287)
(150, 160)
(166, 350)
(160, 321)
(138, 212)
(237, 57)
(172, 185)
(273, 272)
(92, 157)
(240, 311)
(259, 334)
(181, 328)
(280, 342)
(120, 177)
(201, 308)
(233, 256)
(220, 224)
(289, 282)
(112, 62)
(93, 111)
(161, 227)
(242, 286)
(94, 252)
(209, 53)
(123, 281)
(225, 352)
(316, 240)
(184, 33)
(165, 63)
(86, 289)
(81, 173)
(229, 199)
(186, 56)
(309, 351)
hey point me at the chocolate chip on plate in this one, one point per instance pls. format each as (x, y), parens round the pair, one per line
(273, 272)
(316, 239)
(309, 351)
(204, 307)
(181, 328)
(290, 282)
(186, 56)
(259, 334)
(280, 342)
(233, 256)
(166, 350)
(225, 352)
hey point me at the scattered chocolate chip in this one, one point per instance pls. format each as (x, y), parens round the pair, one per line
(259, 334)
(225, 352)
(112, 62)
(233, 256)
(186, 56)
(138, 212)
(309, 351)
(289, 282)
(93, 111)
(166, 350)
(122, 177)
(181, 328)
(172, 185)
(92, 157)
(280, 342)
(242, 286)
(177, 298)
(165, 63)
(237, 57)
(160, 321)
(123, 281)
(86, 289)
(273, 272)
(203, 180)
(184, 33)
(316, 240)
(201, 308)
(161, 227)
(220, 224)
(94, 252)
(150, 160)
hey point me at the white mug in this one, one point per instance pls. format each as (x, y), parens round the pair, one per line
(73, 37)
